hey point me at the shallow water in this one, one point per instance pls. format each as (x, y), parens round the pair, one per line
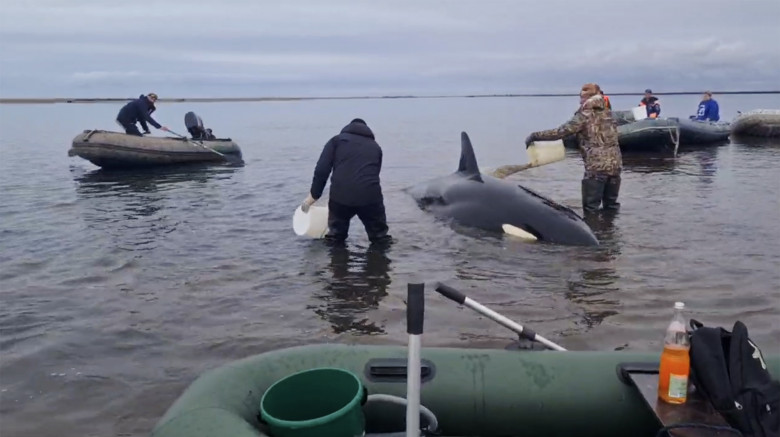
(118, 289)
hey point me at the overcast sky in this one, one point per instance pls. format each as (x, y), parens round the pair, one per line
(101, 48)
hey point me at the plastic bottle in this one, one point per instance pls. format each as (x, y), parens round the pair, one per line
(675, 361)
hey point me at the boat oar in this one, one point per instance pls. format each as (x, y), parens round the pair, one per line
(227, 158)
(197, 143)
(415, 313)
(539, 153)
(461, 298)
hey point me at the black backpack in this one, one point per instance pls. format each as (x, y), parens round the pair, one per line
(730, 371)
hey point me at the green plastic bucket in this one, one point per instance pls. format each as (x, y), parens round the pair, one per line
(315, 403)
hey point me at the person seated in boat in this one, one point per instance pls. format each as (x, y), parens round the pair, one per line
(708, 109)
(139, 111)
(651, 103)
(195, 127)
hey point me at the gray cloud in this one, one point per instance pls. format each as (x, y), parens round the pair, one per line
(311, 47)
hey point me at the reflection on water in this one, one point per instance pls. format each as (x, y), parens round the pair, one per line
(142, 180)
(707, 160)
(599, 276)
(648, 163)
(756, 141)
(132, 205)
(357, 282)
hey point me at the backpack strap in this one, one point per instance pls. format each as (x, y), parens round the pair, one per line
(709, 366)
(753, 387)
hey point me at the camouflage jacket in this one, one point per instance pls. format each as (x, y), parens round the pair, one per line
(596, 133)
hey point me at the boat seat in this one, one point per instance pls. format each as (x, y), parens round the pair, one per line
(696, 410)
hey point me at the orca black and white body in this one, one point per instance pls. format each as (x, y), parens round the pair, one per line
(478, 200)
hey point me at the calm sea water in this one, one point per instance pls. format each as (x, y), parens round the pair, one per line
(119, 289)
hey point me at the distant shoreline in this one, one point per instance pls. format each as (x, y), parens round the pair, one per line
(285, 99)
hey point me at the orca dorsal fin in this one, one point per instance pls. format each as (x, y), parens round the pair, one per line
(468, 162)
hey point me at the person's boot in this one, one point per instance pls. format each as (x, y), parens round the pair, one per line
(611, 191)
(592, 193)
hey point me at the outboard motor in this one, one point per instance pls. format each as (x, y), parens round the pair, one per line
(195, 127)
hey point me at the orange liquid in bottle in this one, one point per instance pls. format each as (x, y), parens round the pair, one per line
(673, 374)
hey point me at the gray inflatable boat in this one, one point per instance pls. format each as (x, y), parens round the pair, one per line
(695, 132)
(757, 123)
(119, 150)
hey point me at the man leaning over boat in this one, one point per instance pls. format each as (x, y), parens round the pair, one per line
(139, 111)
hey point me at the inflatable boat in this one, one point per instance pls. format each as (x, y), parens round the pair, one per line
(650, 134)
(109, 149)
(647, 135)
(695, 132)
(757, 123)
(338, 390)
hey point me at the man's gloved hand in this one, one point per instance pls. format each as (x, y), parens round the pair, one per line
(309, 201)
(530, 139)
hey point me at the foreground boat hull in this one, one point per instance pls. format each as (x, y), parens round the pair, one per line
(118, 150)
(472, 392)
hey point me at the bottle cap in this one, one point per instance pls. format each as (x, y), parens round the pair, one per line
(679, 305)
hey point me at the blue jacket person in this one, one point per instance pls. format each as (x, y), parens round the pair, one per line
(708, 108)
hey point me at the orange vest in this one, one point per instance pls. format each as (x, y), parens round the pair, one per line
(607, 102)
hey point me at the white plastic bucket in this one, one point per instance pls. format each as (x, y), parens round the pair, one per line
(545, 152)
(313, 224)
(640, 112)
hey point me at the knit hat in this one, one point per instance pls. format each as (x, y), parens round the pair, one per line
(589, 90)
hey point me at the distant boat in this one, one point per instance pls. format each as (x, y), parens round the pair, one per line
(119, 150)
(659, 134)
(757, 123)
(648, 135)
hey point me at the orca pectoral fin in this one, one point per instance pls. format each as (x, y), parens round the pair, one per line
(517, 232)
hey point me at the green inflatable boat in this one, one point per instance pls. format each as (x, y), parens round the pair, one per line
(472, 392)
(462, 392)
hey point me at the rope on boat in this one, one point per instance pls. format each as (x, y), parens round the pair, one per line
(674, 134)
(676, 139)
(92, 132)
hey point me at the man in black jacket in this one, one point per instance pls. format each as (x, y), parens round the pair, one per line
(139, 111)
(356, 160)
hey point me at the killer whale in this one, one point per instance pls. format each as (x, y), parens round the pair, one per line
(478, 200)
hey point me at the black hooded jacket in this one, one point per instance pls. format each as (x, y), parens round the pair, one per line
(356, 160)
(138, 110)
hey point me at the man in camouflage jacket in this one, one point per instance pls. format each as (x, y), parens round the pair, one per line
(596, 133)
